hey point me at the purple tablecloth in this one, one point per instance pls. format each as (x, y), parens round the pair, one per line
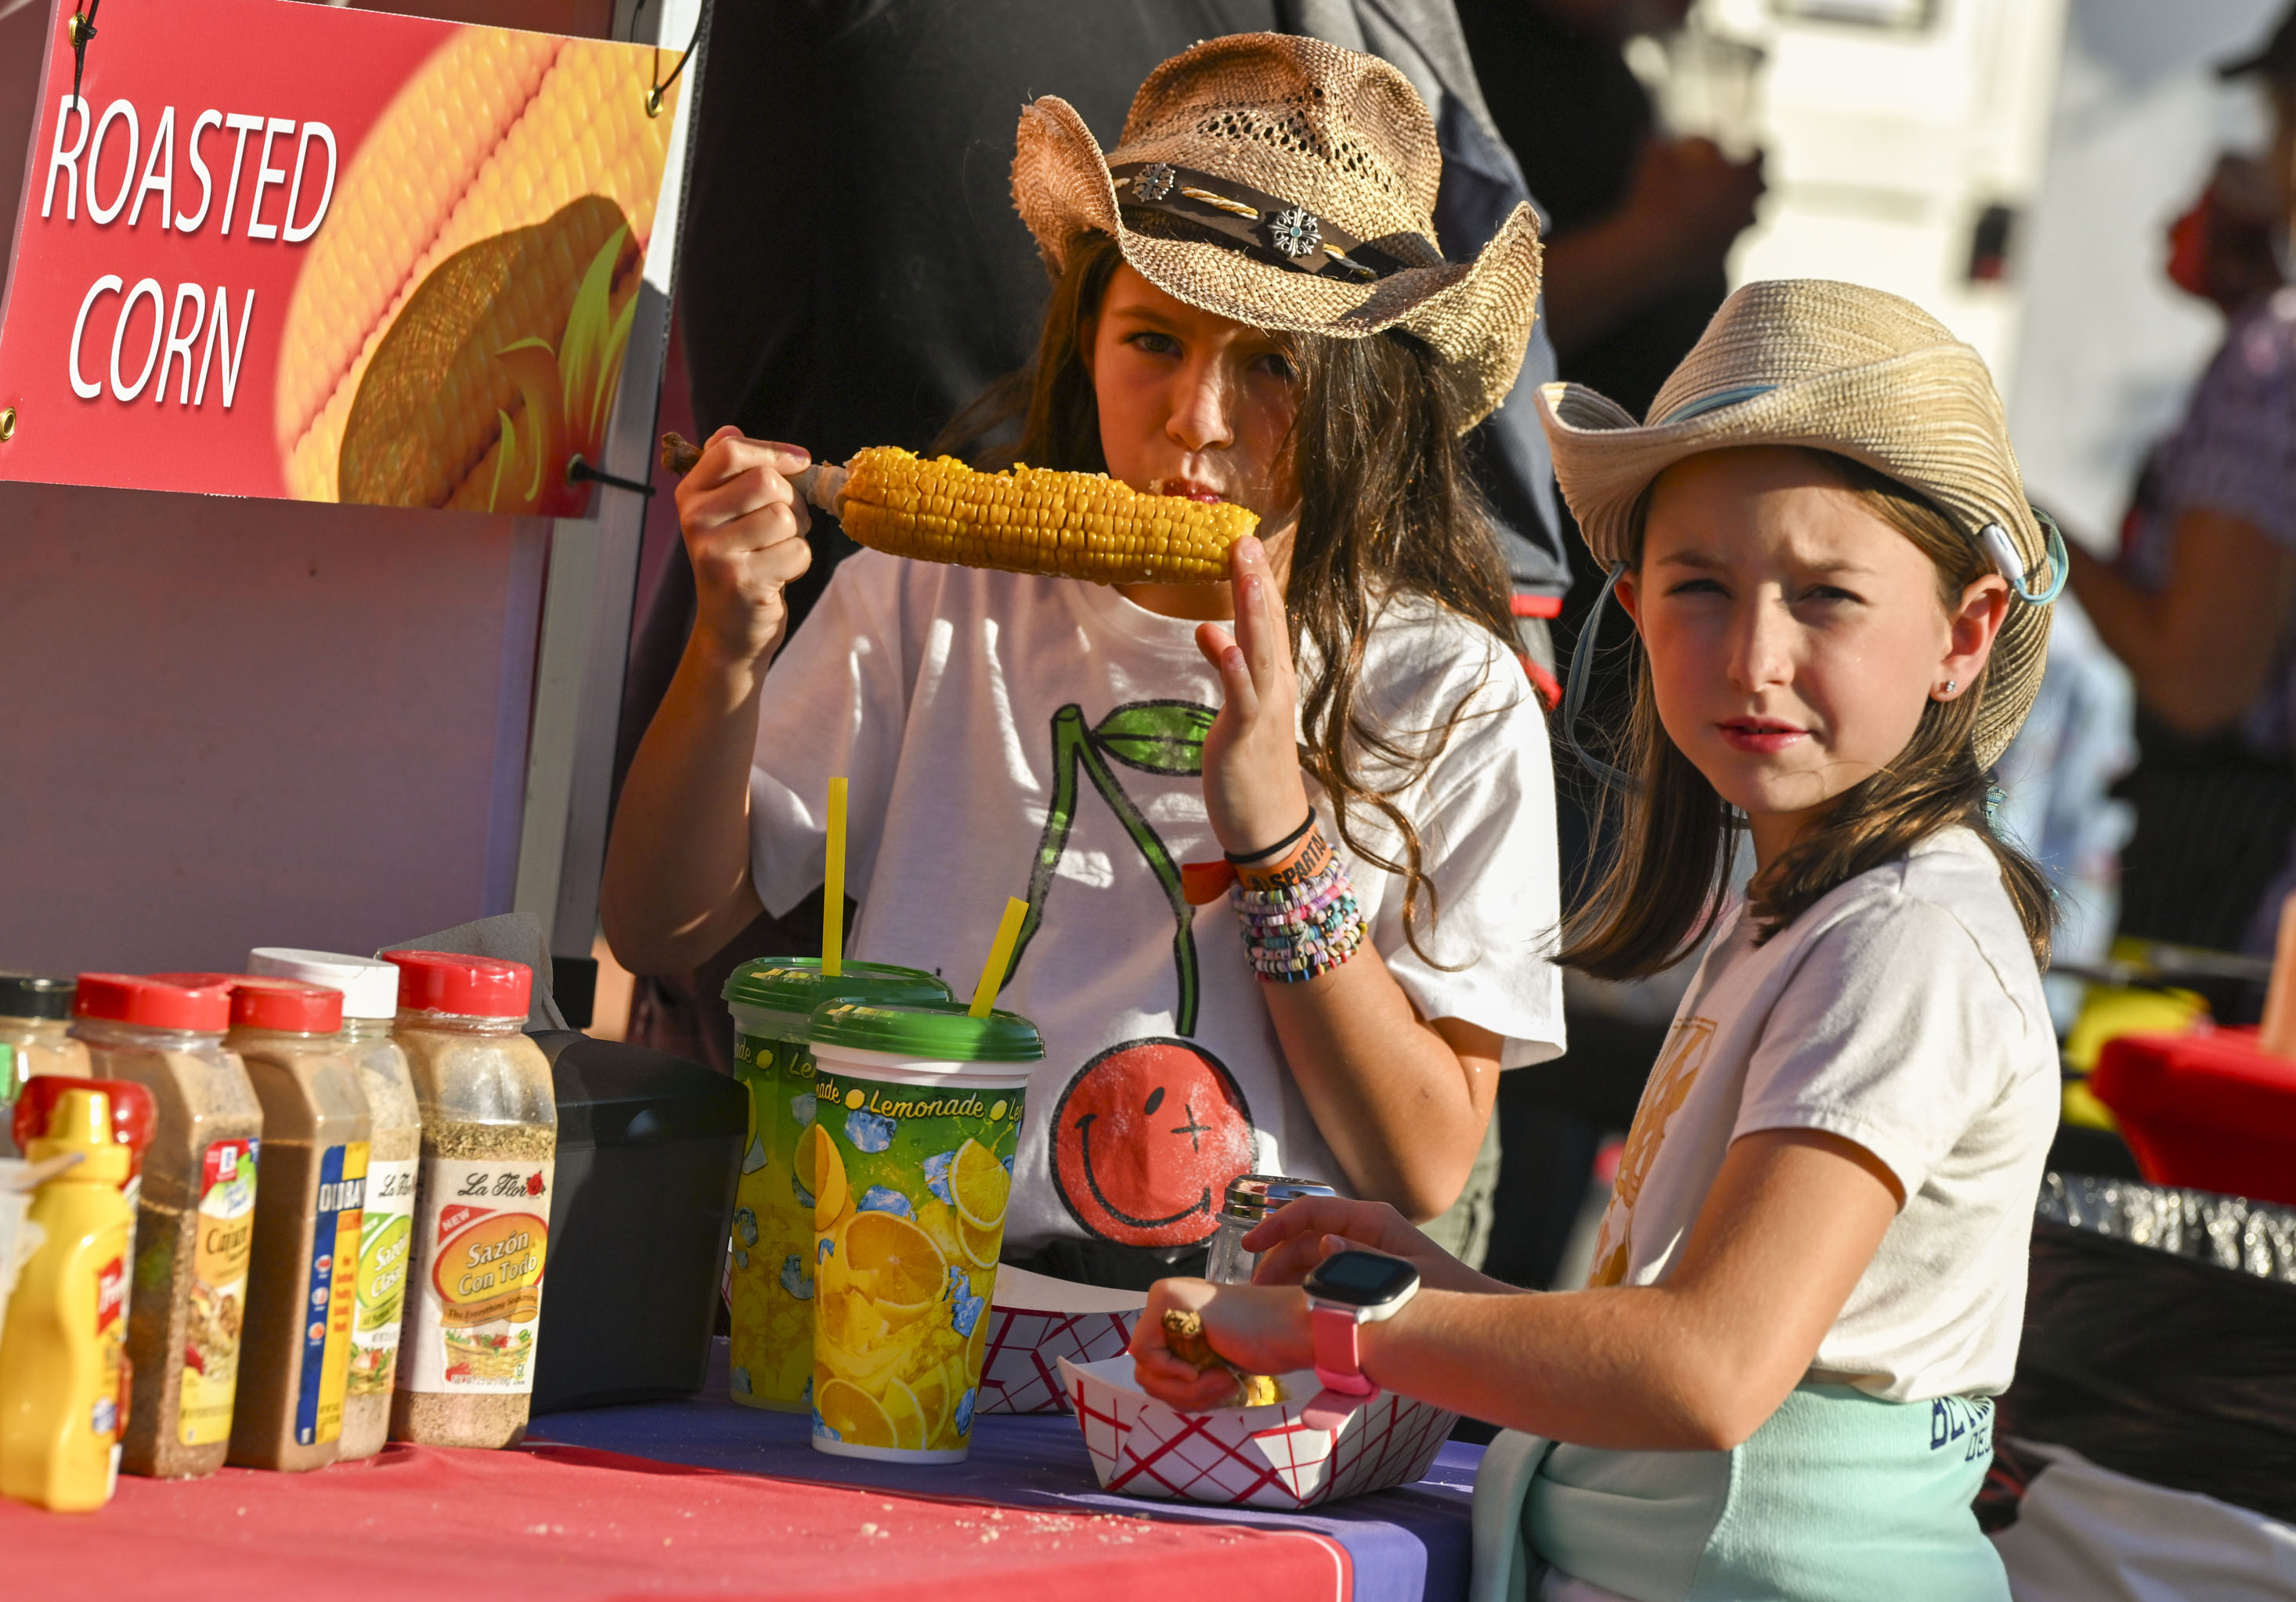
(1406, 1544)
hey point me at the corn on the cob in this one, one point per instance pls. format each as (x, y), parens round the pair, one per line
(1035, 521)
(429, 424)
(499, 131)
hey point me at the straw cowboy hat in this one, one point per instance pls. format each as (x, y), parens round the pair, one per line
(1286, 183)
(1842, 368)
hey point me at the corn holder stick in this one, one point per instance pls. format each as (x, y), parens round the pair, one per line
(821, 485)
(1029, 520)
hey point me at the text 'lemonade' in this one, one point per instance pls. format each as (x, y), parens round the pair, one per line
(909, 1142)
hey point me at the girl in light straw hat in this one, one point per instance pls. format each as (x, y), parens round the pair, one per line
(1810, 1278)
(1247, 304)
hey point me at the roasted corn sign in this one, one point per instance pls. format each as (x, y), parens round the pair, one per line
(281, 250)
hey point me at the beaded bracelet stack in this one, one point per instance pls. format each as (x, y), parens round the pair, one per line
(1299, 912)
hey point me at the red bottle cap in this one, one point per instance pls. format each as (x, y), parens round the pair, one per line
(198, 1002)
(470, 986)
(130, 1104)
(261, 1002)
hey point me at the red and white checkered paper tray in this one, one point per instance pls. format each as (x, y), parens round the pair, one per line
(1034, 1321)
(1247, 1457)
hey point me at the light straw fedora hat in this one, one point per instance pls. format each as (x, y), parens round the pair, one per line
(1286, 183)
(1842, 368)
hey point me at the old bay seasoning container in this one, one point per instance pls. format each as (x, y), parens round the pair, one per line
(370, 991)
(194, 1214)
(309, 1206)
(483, 1200)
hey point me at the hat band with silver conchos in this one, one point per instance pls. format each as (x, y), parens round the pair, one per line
(1274, 229)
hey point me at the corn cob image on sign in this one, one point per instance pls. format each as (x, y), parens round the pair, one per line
(290, 251)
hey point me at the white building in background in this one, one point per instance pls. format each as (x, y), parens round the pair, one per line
(2011, 165)
(1906, 138)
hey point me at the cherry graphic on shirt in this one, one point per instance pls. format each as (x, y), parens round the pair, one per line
(1146, 1139)
(1165, 739)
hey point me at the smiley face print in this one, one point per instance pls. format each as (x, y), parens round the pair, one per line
(1146, 1139)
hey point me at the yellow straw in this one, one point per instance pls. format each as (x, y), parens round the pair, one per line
(833, 913)
(992, 975)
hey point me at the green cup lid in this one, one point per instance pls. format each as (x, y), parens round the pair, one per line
(797, 984)
(928, 1031)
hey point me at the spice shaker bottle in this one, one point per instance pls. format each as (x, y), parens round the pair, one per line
(370, 991)
(35, 1020)
(195, 1212)
(295, 1347)
(62, 1372)
(481, 1201)
(1250, 1198)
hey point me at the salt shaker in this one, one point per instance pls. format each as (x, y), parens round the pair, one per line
(1250, 1198)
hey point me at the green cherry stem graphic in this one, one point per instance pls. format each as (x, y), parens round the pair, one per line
(1068, 735)
(1174, 752)
(1168, 874)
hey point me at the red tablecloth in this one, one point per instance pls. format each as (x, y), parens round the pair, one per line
(559, 1522)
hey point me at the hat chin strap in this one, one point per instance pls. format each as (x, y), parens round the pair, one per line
(1574, 693)
(1997, 546)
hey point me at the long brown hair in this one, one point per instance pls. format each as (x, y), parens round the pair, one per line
(1670, 838)
(1387, 509)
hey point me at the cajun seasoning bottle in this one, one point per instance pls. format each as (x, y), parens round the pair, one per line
(35, 1019)
(307, 1217)
(194, 1214)
(370, 991)
(63, 1378)
(482, 1203)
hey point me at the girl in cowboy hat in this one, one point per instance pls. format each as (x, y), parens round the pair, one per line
(1247, 304)
(1811, 1278)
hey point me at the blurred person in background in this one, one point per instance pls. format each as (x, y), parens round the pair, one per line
(2201, 601)
(891, 123)
(1640, 225)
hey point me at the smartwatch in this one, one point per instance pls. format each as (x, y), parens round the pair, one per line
(1347, 1290)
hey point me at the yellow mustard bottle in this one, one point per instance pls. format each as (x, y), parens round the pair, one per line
(63, 1390)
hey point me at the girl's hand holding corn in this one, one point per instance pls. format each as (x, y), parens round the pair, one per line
(1253, 786)
(744, 525)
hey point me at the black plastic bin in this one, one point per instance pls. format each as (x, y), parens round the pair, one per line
(2161, 1338)
(648, 1152)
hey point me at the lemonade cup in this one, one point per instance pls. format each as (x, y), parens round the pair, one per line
(916, 1120)
(769, 1277)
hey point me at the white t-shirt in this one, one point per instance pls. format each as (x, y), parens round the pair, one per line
(991, 725)
(1903, 1011)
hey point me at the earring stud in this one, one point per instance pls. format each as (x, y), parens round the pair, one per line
(1951, 685)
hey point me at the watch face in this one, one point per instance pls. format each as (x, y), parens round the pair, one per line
(1361, 1279)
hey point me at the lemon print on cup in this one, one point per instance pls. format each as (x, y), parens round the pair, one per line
(980, 1186)
(854, 1414)
(823, 1171)
(917, 1116)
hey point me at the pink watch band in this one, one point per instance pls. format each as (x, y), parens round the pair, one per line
(1338, 1362)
